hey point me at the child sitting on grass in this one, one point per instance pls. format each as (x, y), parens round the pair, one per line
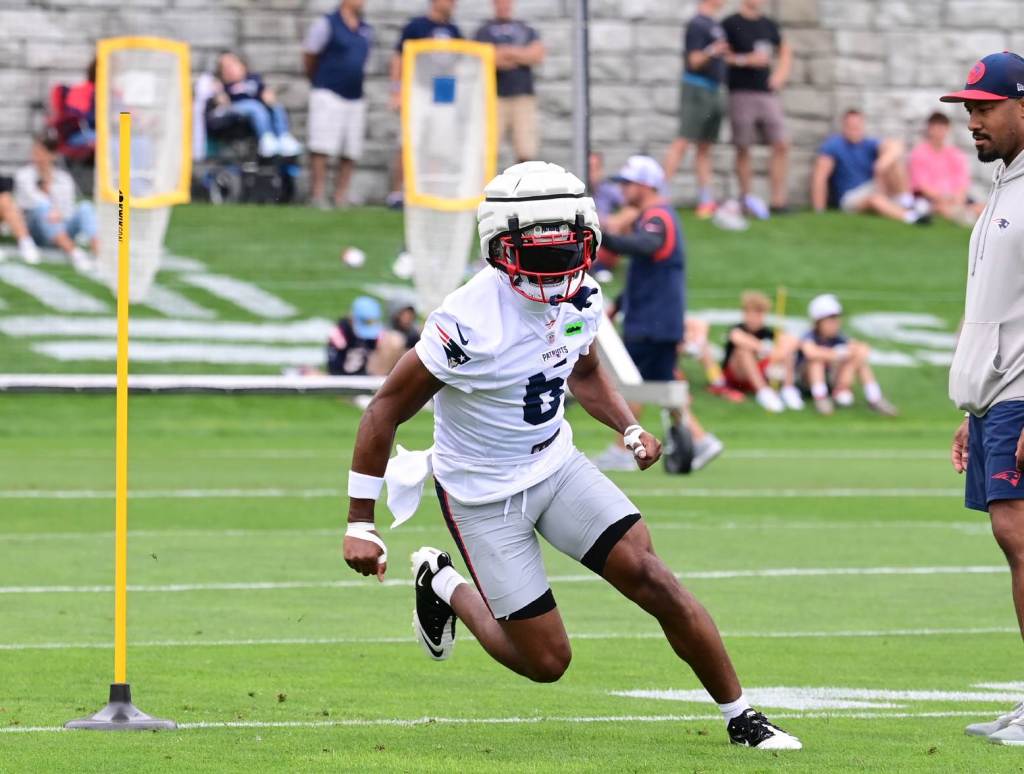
(829, 362)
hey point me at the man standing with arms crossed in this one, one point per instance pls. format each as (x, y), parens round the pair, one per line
(987, 376)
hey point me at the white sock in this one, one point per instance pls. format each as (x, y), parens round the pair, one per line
(445, 583)
(734, 708)
(819, 390)
(906, 200)
(872, 392)
(911, 217)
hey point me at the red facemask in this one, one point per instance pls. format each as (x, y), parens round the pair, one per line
(546, 265)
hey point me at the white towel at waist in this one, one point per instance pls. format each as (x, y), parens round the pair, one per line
(405, 476)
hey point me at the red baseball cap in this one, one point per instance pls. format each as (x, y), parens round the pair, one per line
(996, 77)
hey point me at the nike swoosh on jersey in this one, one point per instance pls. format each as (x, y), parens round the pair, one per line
(462, 338)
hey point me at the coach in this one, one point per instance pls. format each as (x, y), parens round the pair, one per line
(654, 299)
(987, 376)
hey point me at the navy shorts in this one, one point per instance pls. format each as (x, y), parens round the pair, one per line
(655, 360)
(992, 456)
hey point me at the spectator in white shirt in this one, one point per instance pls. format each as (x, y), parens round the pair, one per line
(46, 194)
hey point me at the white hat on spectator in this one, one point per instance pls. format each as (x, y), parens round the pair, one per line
(825, 305)
(642, 170)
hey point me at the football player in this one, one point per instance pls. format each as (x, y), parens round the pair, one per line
(497, 358)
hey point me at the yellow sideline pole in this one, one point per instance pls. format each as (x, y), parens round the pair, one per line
(120, 713)
(121, 422)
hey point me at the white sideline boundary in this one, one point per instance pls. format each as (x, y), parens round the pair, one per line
(969, 527)
(778, 572)
(513, 720)
(305, 494)
(193, 384)
(652, 635)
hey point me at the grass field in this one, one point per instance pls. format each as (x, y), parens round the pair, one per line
(834, 554)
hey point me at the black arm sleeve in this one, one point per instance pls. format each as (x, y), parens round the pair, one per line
(644, 243)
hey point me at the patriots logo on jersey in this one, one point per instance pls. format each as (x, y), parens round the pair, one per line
(1003, 223)
(456, 355)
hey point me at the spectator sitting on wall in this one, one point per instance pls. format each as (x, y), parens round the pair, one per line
(11, 217)
(939, 173)
(46, 194)
(861, 174)
(755, 352)
(335, 53)
(828, 362)
(517, 50)
(358, 345)
(245, 94)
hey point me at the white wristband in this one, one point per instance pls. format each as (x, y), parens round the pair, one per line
(364, 487)
(631, 437)
(364, 530)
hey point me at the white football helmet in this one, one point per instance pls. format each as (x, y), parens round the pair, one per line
(538, 226)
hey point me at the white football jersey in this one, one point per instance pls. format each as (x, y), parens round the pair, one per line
(499, 424)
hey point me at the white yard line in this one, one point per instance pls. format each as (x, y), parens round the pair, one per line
(171, 303)
(50, 291)
(281, 492)
(980, 528)
(245, 295)
(309, 331)
(572, 719)
(181, 352)
(777, 572)
(651, 635)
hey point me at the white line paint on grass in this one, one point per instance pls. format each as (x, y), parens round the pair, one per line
(651, 635)
(779, 572)
(182, 352)
(575, 720)
(311, 331)
(50, 291)
(966, 527)
(171, 303)
(249, 297)
(279, 492)
(804, 698)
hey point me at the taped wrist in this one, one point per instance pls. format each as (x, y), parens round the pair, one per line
(364, 530)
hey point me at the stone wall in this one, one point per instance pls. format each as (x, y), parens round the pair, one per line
(889, 57)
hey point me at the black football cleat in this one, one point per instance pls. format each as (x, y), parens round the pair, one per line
(752, 729)
(433, 619)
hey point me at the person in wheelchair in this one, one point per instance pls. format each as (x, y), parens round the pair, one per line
(241, 99)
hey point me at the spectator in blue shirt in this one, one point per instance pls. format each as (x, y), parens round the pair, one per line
(335, 52)
(437, 23)
(244, 92)
(861, 174)
(517, 51)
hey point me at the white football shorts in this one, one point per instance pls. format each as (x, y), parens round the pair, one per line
(577, 509)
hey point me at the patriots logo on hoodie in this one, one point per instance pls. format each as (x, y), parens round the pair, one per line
(1003, 223)
(456, 355)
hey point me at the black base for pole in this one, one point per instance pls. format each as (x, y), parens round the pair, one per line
(120, 715)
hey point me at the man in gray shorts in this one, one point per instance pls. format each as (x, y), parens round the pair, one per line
(497, 357)
(701, 103)
(755, 106)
